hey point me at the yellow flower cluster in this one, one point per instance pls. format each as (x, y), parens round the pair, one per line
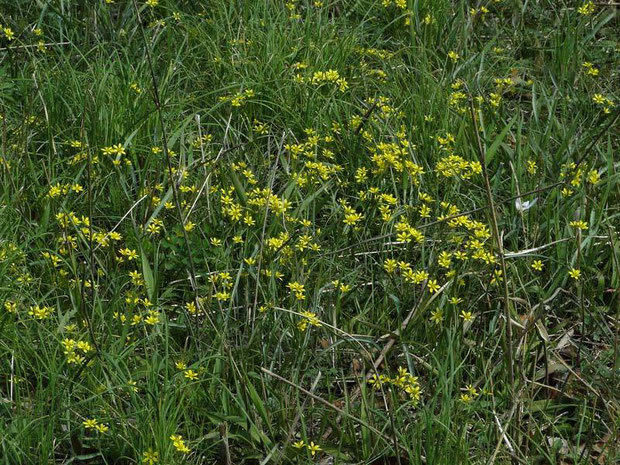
(401, 4)
(64, 189)
(404, 381)
(40, 312)
(456, 166)
(75, 350)
(311, 447)
(604, 102)
(179, 443)
(297, 289)
(351, 217)
(92, 423)
(330, 76)
(391, 155)
(309, 319)
(263, 198)
(238, 99)
(8, 33)
(407, 233)
(590, 68)
(587, 9)
(118, 152)
(10, 306)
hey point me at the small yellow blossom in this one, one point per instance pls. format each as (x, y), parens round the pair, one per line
(191, 375)
(437, 316)
(432, 286)
(150, 457)
(90, 423)
(313, 448)
(581, 225)
(587, 8)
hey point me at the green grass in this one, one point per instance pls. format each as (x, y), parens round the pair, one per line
(407, 164)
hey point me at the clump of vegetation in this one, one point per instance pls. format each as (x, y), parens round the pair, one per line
(309, 231)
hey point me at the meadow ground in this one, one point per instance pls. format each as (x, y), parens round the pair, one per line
(331, 231)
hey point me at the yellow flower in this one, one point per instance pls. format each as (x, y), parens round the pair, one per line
(313, 448)
(299, 444)
(10, 307)
(532, 168)
(453, 55)
(437, 316)
(179, 443)
(587, 8)
(428, 19)
(352, 219)
(129, 254)
(40, 313)
(191, 308)
(537, 265)
(222, 295)
(574, 273)
(152, 3)
(8, 33)
(136, 278)
(101, 428)
(432, 286)
(84, 346)
(90, 424)
(150, 457)
(152, 319)
(471, 390)
(297, 289)
(390, 265)
(590, 69)
(582, 225)
(467, 316)
(445, 260)
(593, 177)
(191, 374)
(309, 319)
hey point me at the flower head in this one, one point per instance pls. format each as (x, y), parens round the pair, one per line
(150, 457)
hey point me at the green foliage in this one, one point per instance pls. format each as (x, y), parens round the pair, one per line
(285, 232)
